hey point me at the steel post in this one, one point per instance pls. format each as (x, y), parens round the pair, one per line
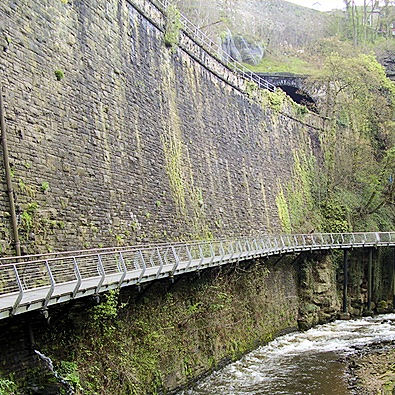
(345, 281)
(393, 281)
(370, 279)
(7, 171)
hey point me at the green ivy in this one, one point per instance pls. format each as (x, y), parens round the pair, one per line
(69, 372)
(283, 211)
(7, 387)
(59, 74)
(334, 216)
(172, 28)
(104, 314)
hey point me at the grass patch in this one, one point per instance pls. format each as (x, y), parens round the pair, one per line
(284, 64)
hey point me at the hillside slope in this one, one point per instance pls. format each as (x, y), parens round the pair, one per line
(277, 23)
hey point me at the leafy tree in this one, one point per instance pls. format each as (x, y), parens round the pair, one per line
(359, 158)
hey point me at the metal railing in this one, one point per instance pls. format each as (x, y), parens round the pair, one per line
(216, 50)
(40, 282)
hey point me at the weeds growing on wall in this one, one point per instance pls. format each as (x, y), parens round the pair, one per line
(298, 201)
(7, 387)
(283, 210)
(173, 151)
(166, 335)
(172, 28)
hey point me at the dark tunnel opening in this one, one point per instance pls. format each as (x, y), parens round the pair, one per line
(299, 97)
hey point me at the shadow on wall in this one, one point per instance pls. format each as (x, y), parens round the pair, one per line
(300, 97)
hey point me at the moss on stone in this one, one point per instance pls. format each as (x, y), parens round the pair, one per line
(166, 336)
(283, 210)
(172, 28)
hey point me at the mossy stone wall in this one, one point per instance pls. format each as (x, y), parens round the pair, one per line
(164, 336)
(116, 139)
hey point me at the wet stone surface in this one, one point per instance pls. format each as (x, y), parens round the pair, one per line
(371, 369)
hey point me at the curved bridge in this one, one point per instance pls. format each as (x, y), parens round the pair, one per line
(35, 282)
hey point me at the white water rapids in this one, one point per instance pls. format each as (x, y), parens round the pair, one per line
(302, 363)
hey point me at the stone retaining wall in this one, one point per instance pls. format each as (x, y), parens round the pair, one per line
(133, 143)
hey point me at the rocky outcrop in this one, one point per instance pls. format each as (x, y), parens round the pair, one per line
(319, 301)
(243, 49)
(387, 59)
(371, 370)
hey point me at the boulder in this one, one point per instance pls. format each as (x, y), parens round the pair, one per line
(229, 47)
(243, 49)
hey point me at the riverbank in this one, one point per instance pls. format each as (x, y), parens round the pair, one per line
(372, 370)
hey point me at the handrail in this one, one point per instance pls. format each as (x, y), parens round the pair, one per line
(33, 284)
(216, 50)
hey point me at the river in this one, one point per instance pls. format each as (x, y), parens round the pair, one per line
(302, 363)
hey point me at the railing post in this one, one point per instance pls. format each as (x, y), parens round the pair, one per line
(212, 254)
(201, 257)
(276, 246)
(231, 250)
(160, 264)
(240, 251)
(124, 269)
(282, 242)
(313, 240)
(52, 287)
(20, 295)
(222, 251)
(177, 260)
(256, 246)
(101, 271)
(190, 258)
(78, 276)
(144, 267)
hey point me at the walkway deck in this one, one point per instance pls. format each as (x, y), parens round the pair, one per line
(36, 282)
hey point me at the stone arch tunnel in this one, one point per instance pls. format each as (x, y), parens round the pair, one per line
(294, 86)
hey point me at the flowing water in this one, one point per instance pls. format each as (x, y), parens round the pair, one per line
(49, 364)
(307, 363)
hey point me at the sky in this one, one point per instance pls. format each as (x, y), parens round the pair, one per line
(323, 5)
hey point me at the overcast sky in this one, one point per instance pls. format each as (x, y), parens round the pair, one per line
(323, 5)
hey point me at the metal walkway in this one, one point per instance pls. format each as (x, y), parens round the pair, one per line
(38, 281)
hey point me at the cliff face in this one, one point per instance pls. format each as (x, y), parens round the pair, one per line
(280, 25)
